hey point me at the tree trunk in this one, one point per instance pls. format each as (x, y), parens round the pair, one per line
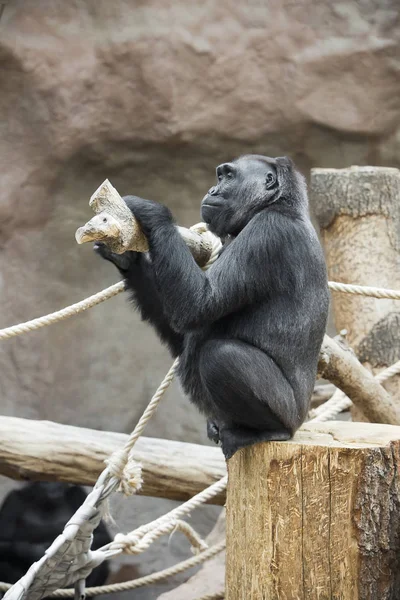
(358, 211)
(316, 518)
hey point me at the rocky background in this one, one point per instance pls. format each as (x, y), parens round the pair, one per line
(153, 94)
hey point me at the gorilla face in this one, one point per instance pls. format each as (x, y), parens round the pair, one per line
(244, 187)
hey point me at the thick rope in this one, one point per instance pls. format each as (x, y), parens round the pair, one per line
(123, 468)
(119, 287)
(363, 290)
(141, 538)
(388, 373)
(338, 403)
(120, 464)
(64, 313)
(141, 581)
(106, 294)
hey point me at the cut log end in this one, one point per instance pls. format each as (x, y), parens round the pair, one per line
(113, 223)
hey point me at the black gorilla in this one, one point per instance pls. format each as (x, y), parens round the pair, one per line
(249, 330)
(30, 520)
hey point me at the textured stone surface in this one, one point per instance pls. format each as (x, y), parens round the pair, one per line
(153, 95)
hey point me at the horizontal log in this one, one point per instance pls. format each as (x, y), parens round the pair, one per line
(43, 450)
(47, 451)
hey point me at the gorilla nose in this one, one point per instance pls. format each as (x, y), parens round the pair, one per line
(213, 191)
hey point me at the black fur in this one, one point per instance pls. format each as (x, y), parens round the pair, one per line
(249, 330)
(30, 520)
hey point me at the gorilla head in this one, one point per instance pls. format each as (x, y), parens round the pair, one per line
(248, 185)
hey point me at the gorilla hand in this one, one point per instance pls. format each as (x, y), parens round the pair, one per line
(150, 214)
(121, 261)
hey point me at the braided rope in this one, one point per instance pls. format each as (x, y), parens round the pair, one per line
(141, 538)
(64, 313)
(120, 464)
(141, 581)
(363, 290)
(338, 403)
(130, 479)
(389, 372)
(119, 287)
(106, 294)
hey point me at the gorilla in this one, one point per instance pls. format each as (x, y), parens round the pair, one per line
(30, 520)
(249, 330)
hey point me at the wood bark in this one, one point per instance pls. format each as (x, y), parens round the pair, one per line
(358, 211)
(42, 450)
(316, 518)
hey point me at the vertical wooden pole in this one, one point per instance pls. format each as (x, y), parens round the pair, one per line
(358, 211)
(316, 518)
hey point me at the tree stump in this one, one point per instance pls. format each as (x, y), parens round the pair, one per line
(316, 518)
(358, 211)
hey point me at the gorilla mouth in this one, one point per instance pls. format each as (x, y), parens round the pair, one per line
(208, 210)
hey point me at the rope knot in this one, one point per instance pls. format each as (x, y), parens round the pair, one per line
(126, 470)
(127, 542)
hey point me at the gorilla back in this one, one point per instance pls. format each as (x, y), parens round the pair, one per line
(249, 330)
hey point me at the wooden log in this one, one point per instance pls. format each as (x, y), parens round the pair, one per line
(115, 225)
(316, 518)
(42, 450)
(340, 365)
(358, 211)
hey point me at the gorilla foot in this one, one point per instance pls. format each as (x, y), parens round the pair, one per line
(234, 439)
(213, 431)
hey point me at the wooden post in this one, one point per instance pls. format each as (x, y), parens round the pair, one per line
(358, 211)
(316, 518)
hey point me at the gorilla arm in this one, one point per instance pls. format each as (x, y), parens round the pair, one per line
(137, 270)
(191, 297)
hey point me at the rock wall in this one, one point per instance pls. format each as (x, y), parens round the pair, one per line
(153, 95)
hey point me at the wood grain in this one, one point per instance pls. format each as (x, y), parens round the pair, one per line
(316, 518)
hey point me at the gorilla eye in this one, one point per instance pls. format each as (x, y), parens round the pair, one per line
(270, 180)
(225, 171)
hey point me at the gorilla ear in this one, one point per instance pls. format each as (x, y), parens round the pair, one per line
(270, 180)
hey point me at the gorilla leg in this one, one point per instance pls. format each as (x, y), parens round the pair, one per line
(251, 399)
